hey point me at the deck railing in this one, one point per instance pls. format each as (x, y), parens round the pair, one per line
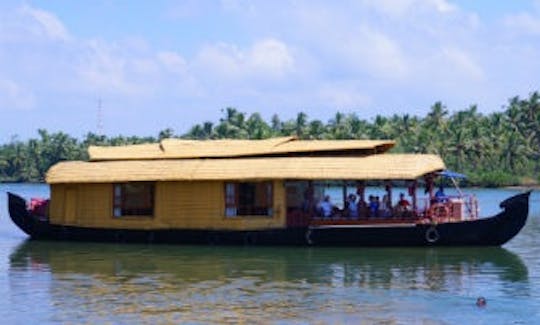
(447, 209)
(451, 207)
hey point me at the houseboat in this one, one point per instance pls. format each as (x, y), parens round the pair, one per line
(280, 191)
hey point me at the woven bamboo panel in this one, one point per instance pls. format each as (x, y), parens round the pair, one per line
(381, 166)
(186, 149)
(136, 151)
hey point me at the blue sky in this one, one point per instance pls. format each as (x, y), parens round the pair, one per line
(160, 64)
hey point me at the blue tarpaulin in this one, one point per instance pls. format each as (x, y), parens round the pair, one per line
(449, 173)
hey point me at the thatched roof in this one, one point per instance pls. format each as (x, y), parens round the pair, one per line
(186, 149)
(381, 166)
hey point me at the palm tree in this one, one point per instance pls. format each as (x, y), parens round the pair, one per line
(436, 118)
(166, 134)
(515, 144)
(232, 126)
(257, 127)
(208, 130)
(338, 127)
(382, 128)
(301, 124)
(276, 125)
(436, 125)
(459, 140)
(358, 128)
(406, 130)
(531, 120)
(316, 130)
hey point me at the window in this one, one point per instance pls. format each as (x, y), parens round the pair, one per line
(248, 199)
(133, 199)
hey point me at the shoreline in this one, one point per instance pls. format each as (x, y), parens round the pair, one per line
(533, 187)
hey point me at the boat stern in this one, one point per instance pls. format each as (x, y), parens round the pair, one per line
(19, 213)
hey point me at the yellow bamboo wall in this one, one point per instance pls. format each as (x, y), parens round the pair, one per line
(178, 205)
(56, 205)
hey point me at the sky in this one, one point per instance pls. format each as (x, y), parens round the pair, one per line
(138, 67)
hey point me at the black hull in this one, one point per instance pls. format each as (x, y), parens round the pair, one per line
(20, 215)
(493, 231)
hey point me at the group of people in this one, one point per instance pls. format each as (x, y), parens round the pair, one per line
(373, 208)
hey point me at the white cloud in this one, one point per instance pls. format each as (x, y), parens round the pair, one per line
(103, 70)
(173, 62)
(188, 9)
(336, 40)
(402, 8)
(377, 53)
(457, 60)
(270, 57)
(266, 59)
(128, 69)
(241, 6)
(442, 6)
(343, 96)
(45, 23)
(285, 55)
(220, 60)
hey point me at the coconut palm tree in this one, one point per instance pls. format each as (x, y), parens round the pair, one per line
(301, 124)
(257, 127)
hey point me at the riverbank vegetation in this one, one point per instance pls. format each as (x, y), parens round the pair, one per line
(497, 149)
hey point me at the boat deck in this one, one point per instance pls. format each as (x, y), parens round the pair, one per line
(376, 222)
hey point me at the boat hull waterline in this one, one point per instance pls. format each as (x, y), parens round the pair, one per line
(491, 231)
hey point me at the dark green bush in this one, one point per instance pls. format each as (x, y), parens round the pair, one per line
(494, 178)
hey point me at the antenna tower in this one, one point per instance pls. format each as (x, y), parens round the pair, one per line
(100, 118)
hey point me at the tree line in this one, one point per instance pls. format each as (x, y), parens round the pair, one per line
(497, 149)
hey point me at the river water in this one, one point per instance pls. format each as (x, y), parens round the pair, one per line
(56, 282)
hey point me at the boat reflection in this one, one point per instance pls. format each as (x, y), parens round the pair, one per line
(409, 268)
(104, 283)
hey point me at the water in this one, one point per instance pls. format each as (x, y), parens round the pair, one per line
(55, 282)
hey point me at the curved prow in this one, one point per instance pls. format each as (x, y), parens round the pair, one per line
(514, 216)
(517, 201)
(19, 213)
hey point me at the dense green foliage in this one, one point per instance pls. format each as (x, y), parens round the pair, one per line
(502, 148)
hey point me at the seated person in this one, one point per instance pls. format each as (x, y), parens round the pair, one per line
(403, 203)
(440, 196)
(386, 207)
(363, 208)
(326, 207)
(373, 206)
(352, 207)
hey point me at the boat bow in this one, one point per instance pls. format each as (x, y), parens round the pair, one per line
(514, 216)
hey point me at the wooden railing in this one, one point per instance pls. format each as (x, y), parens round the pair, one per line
(451, 207)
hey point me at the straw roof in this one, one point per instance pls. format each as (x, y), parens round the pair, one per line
(186, 149)
(383, 166)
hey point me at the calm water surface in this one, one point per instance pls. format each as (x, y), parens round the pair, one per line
(50, 282)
